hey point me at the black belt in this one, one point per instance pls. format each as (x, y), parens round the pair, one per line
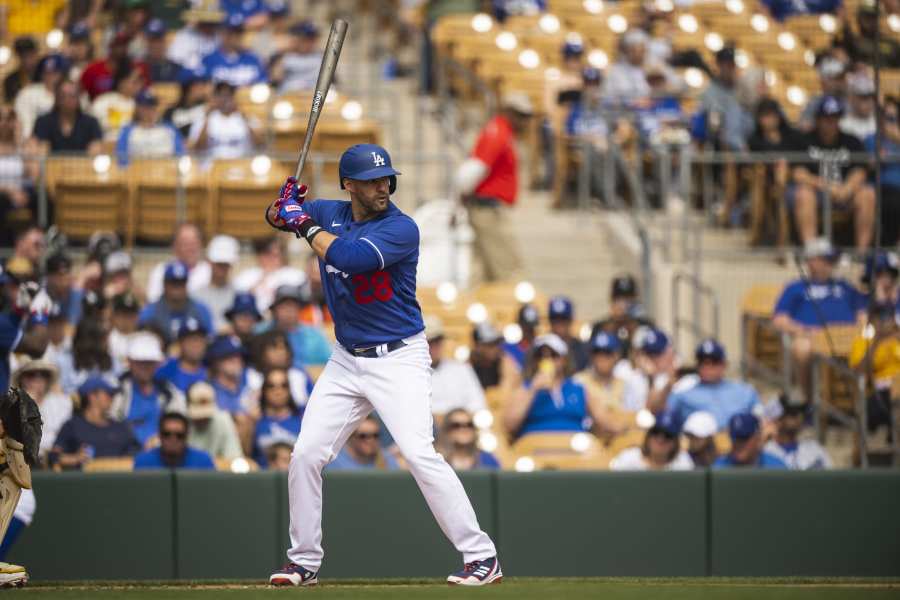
(379, 350)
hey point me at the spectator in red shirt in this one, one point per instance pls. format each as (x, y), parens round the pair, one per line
(98, 76)
(487, 182)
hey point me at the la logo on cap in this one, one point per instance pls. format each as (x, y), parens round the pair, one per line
(377, 159)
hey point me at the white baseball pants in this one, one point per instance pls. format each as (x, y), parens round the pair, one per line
(398, 387)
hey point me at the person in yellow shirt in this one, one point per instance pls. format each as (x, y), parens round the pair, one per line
(876, 353)
(32, 17)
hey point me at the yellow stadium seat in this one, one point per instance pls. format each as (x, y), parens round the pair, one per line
(224, 464)
(156, 185)
(167, 92)
(107, 465)
(240, 197)
(87, 201)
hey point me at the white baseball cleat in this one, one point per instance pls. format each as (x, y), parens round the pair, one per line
(479, 572)
(12, 575)
(293, 574)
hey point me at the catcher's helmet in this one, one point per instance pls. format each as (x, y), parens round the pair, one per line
(365, 162)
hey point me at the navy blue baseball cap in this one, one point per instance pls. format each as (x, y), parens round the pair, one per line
(710, 349)
(52, 62)
(176, 271)
(572, 48)
(528, 316)
(155, 28)
(653, 341)
(79, 31)
(56, 312)
(187, 76)
(305, 29)
(224, 346)
(94, 383)
(667, 422)
(244, 303)
(146, 98)
(830, 106)
(591, 75)
(560, 308)
(278, 8)
(743, 426)
(235, 22)
(366, 162)
(606, 343)
(191, 326)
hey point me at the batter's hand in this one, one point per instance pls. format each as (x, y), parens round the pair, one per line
(286, 213)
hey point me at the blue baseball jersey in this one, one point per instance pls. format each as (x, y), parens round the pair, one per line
(369, 274)
(564, 409)
(239, 69)
(835, 301)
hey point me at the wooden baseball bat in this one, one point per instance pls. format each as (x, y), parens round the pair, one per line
(323, 83)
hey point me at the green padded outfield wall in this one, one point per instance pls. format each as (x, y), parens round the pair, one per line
(812, 523)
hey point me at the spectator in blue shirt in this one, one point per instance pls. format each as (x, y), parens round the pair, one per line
(280, 420)
(528, 321)
(713, 393)
(175, 306)
(524, 8)
(61, 286)
(458, 443)
(255, 13)
(308, 343)
(187, 368)
(363, 450)
(228, 376)
(243, 316)
(231, 62)
(746, 446)
(720, 99)
(147, 136)
(552, 401)
(560, 313)
(173, 451)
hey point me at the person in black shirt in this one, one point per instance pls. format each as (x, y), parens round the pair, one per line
(67, 128)
(28, 56)
(860, 47)
(626, 313)
(191, 105)
(161, 68)
(833, 174)
(772, 134)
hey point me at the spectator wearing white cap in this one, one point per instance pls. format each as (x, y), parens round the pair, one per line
(661, 450)
(187, 247)
(117, 274)
(700, 429)
(143, 399)
(833, 82)
(625, 80)
(859, 119)
(211, 428)
(223, 254)
(454, 384)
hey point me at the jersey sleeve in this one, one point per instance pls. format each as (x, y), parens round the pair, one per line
(394, 241)
(786, 301)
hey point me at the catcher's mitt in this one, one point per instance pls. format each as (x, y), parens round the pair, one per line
(22, 421)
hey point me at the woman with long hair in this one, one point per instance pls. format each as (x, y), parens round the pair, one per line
(280, 416)
(89, 355)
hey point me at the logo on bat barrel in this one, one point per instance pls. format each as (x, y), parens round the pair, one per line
(317, 101)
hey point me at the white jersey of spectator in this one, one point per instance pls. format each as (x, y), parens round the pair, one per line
(300, 71)
(198, 277)
(25, 508)
(217, 300)
(263, 285)
(12, 171)
(625, 83)
(858, 127)
(298, 382)
(632, 459)
(33, 101)
(637, 385)
(809, 454)
(219, 437)
(188, 47)
(56, 409)
(117, 342)
(228, 136)
(159, 141)
(113, 110)
(455, 385)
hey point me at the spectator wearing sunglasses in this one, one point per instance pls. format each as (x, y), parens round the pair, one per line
(458, 443)
(173, 451)
(280, 420)
(363, 450)
(660, 451)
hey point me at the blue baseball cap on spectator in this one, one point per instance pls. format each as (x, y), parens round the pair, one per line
(244, 303)
(278, 8)
(710, 349)
(605, 342)
(560, 308)
(528, 316)
(187, 76)
(155, 28)
(224, 346)
(79, 31)
(886, 262)
(572, 49)
(94, 383)
(668, 423)
(830, 106)
(146, 98)
(743, 426)
(191, 326)
(306, 29)
(54, 63)
(235, 22)
(176, 271)
(652, 341)
(591, 75)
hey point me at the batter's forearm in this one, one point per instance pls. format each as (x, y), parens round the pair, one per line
(321, 243)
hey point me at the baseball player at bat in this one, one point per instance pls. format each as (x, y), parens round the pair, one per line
(368, 253)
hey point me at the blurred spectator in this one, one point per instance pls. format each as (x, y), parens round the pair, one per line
(859, 120)
(117, 275)
(276, 36)
(316, 313)
(28, 249)
(37, 98)
(605, 390)
(231, 62)
(198, 38)
(588, 121)
(79, 50)
(652, 373)
(162, 69)
(660, 119)
(100, 76)
(784, 9)
(831, 172)
(143, 397)
(488, 183)
(700, 431)
(560, 95)
(626, 313)
(528, 321)
(280, 417)
(91, 433)
(308, 344)
(875, 354)
(363, 450)
(712, 393)
(491, 365)
(187, 369)
(297, 69)
(458, 443)
(772, 134)
(243, 316)
(225, 360)
(173, 451)
(191, 105)
(278, 456)
(727, 122)
(517, 8)
(625, 80)
(60, 285)
(561, 313)
(212, 429)
(88, 356)
(223, 253)
(225, 132)
(254, 13)
(860, 47)
(660, 452)
(124, 321)
(454, 384)
(187, 248)
(880, 278)
(147, 136)
(32, 18)
(798, 454)
(833, 82)
(115, 108)
(38, 378)
(271, 350)
(131, 17)
(271, 271)
(59, 339)
(747, 445)
(551, 400)
(168, 313)
(890, 173)
(27, 57)
(66, 128)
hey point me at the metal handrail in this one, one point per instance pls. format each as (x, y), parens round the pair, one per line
(699, 290)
